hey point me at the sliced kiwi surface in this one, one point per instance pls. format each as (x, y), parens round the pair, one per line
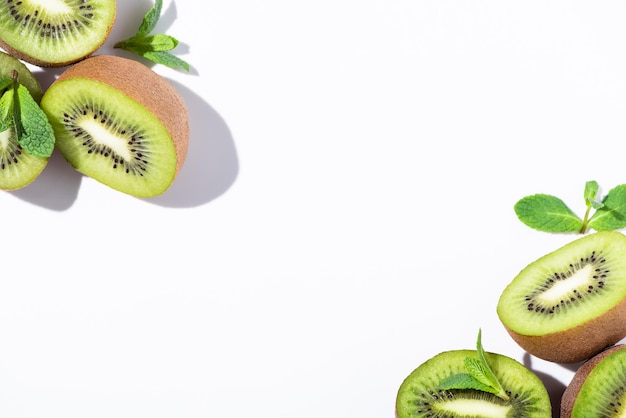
(17, 168)
(419, 396)
(117, 121)
(569, 304)
(598, 387)
(54, 33)
(110, 137)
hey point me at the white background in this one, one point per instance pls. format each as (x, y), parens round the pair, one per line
(344, 214)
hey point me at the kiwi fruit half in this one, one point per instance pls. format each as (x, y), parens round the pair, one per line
(54, 33)
(18, 168)
(598, 387)
(570, 304)
(419, 394)
(119, 122)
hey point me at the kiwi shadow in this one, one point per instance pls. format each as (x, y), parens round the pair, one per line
(56, 188)
(212, 164)
(554, 387)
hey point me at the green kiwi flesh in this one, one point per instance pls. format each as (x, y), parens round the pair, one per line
(54, 33)
(571, 303)
(419, 396)
(110, 137)
(17, 168)
(597, 388)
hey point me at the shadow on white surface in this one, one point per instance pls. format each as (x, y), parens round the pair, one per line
(554, 387)
(56, 187)
(212, 164)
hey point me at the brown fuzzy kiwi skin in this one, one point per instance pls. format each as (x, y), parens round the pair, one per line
(571, 392)
(143, 85)
(21, 55)
(580, 343)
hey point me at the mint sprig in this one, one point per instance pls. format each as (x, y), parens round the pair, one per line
(548, 213)
(479, 376)
(19, 110)
(153, 47)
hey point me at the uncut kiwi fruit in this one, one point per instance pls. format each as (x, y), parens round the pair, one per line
(18, 168)
(55, 33)
(419, 394)
(570, 304)
(119, 122)
(598, 387)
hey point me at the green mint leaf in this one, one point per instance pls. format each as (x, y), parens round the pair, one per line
(480, 376)
(463, 381)
(547, 213)
(165, 58)
(35, 133)
(6, 110)
(5, 82)
(612, 214)
(153, 47)
(489, 375)
(17, 119)
(596, 204)
(591, 190)
(141, 44)
(150, 19)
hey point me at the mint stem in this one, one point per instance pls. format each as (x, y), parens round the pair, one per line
(585, 225)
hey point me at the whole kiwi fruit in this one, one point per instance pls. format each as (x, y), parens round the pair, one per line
(420, 395)
(55, 33)
(597, 388)
(119, 122)
(570, 304)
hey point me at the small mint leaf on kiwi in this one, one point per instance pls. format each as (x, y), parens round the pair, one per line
(480, 375)
(32, 128)
(463, 381)
(153, 47)
(6, 107)
(547, 213)
(5, 82)
(37, 136)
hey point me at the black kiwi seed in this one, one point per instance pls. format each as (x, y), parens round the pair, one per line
(576, 295)
(137, 165)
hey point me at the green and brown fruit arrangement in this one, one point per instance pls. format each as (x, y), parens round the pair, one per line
(113, 119)
(568, 307)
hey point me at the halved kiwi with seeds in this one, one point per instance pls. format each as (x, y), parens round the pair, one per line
(598, 388)
(119, 122)
(419, 396)
(570, 304)
(18, 168)
(54, 33)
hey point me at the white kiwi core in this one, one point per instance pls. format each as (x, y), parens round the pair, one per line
(478, 407)
(563, 287)
(95, 130)
(51, 6)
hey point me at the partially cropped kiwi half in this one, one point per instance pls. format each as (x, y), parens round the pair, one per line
(119, 122)
(598, 388)
(18, 168)
(419, 395)
(54, 33)
(570, 304)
